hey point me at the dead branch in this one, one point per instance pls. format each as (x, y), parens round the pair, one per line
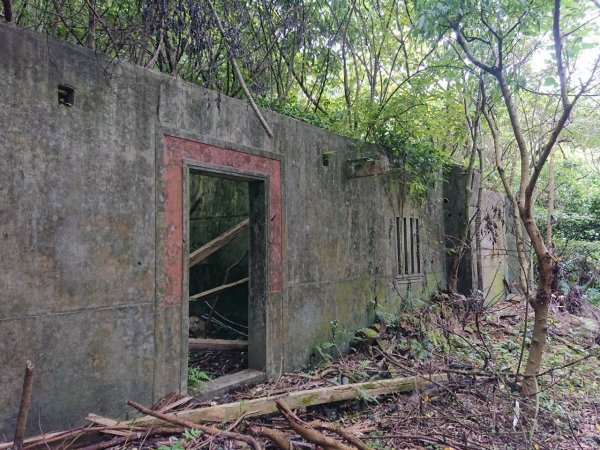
(225, 280)
(337, 429)
(278, 438)
(307, 432)
(117, 442)
(73, 434)
(24, 407)
(216, 291)
(433, 439)
(197, 200)
(205, 429)
(238, 73)
(217, 243)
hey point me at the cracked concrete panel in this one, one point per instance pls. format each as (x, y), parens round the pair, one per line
(89, 361)
(78, 227)
(188, 107)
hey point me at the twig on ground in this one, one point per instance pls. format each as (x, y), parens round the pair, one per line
(337, 429)
(127, 439)
(205, 429)
(280, 439)
(308, 433)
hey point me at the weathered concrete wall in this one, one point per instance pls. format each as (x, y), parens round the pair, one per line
(83, 223)
(455, 219)
(493, 246)
(77, 232)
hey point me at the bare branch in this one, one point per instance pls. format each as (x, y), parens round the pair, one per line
(460, 38)
(238, 74)
(558, 51)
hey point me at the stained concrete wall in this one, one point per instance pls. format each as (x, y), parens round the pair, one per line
(455, 219)
(494, 246)
(82, 222)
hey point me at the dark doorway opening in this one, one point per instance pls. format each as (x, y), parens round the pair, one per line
(226, 223)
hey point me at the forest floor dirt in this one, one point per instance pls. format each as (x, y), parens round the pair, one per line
(479, 348)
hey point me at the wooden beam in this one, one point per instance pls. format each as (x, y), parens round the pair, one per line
(217, 243)
(216, 291)
(298, 399)
(216, 344)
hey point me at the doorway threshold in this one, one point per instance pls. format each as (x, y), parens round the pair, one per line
(227, 383)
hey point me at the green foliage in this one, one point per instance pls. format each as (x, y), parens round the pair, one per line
(593, 295)
(577, 199)
(585, 227)
(417, 160)
(324, 352)
(179, 444)
(191, 434)
(197, 377)
(578, 259)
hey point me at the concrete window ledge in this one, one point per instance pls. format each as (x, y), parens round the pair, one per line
(402, 280)
(366, 167)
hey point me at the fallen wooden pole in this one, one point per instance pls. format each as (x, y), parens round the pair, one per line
(187, 424)
(216, 344)
(24, 407)
(266, 405)
(216, 291)
(217, 243)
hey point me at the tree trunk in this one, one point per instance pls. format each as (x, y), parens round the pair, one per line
(478, 254)
(550, 199)
(539, 303)
(7, 10)
(91, 31)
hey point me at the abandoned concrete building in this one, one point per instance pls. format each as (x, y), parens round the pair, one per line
(119, 187)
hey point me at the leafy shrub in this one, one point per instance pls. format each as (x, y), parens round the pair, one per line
(575, 226)
(578, 260)
(196, 377)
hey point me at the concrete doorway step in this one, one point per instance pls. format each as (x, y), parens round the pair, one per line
(227, 383)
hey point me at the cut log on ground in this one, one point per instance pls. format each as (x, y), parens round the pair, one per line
(299, 399)
(217, 243)
(216, 291)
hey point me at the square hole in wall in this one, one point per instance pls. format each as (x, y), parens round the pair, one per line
(66, 95)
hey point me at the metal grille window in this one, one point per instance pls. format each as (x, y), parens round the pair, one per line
(408, 245)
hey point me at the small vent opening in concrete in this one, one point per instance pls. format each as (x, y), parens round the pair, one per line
(408, 243)
(66, 95)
